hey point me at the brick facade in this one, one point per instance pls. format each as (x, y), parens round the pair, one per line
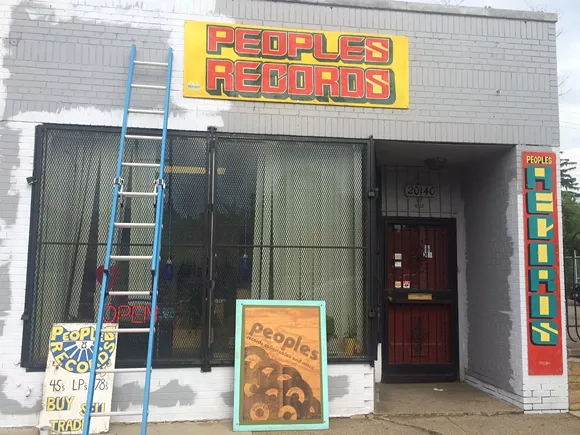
(477, 76)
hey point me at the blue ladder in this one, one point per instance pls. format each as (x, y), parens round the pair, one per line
(158, 196)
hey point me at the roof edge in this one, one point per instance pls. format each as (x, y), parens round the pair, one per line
(433, 9)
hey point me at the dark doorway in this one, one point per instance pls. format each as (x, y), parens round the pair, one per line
(420, 343)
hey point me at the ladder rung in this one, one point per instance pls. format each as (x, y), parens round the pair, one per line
(129, 293)
(141, 86)
(148, 111)
(138, 194)
(131, 257)
(115, 413)
(126, 330)
(141, 165)
(146, 62)
(134, 225)
(143, 136)
(135, 370)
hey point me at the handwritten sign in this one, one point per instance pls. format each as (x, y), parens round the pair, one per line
(66, 379)
(281, 379)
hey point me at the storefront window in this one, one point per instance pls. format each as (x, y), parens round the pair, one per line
(289, 223)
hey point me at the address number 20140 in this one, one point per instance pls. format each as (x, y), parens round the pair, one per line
(422, 191)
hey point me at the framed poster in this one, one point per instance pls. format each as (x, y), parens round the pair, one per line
(66, 380)
(281, 380)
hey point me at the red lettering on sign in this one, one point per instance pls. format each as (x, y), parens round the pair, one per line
(110, 310)
(351, 48)
(139, 314)
(320, 52)
(135, 314)
(124, 311)
(247, 71)
(218, 36)
(247, 41)
(378, 83)
(220, 72)
(274, 78)
(327, 79)
(378, 50)
(352, 82)
(300, 79)
(298, 43)
(274, 44)
(286, 81)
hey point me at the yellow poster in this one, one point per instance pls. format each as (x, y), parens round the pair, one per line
(250, 63)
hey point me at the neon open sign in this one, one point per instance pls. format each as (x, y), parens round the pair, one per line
(136, 314)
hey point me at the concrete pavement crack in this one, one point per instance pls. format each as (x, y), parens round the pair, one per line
(412, 426)
(457, 425)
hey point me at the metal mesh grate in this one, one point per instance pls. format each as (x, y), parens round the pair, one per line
(74, 208)
(290, 219)
(289, 223)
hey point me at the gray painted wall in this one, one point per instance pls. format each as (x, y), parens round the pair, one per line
(489, 192)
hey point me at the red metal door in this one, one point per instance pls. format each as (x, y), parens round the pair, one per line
(421, 302)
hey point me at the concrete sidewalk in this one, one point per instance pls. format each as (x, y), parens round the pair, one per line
(512, 424)
(437, 400)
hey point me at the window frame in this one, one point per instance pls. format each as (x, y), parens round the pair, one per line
(370, 282)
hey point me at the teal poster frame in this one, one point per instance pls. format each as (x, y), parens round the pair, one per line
(277, 425)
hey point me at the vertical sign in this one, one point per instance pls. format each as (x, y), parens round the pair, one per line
(542, 264)
(280, 371)
(66, 378)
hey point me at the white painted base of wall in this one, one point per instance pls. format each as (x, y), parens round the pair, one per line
(506, 396)
(190, 395)
(549, 400)
(379, 364)
(544, 412)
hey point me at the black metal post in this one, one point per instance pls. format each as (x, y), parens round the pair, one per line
(207, 335)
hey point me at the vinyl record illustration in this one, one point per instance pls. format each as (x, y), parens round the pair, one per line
(273, 391)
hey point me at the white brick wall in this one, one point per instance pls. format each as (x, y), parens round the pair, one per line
(458, 65)
(474, 79)
(16, 151)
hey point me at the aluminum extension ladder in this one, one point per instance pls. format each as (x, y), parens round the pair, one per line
(158, 196)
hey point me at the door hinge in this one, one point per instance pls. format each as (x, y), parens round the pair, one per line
(372, 313)
(25, 316)
(372, 193)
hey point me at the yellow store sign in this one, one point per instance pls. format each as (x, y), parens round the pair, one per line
(249, 63)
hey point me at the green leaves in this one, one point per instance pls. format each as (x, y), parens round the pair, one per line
(570, 206)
